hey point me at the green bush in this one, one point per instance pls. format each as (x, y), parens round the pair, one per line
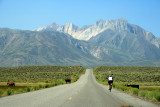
(116, 85)
(40, 86)
(134, 91)
(120, 86)
(46, 81)
(63, 82)
(20, 91)
(75, 79)
(123, 88)
(142, 93)
(43, 86)
(10, 91)
(156, 95)
(52, 85)
(113, 85)
(1, 92)
(36, 88)
(149, 95)
(28, 89)
(59, 82)
(46, 86)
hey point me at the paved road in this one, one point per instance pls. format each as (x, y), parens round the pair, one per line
(86, 92)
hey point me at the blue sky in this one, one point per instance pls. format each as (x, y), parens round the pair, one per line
(32, 14)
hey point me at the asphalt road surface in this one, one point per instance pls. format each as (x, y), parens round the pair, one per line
(86, 92)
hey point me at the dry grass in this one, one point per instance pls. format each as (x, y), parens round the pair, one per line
(150, 87)
(23, 84)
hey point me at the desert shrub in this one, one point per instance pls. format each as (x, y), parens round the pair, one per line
(134, 91)
(36, 88)
(75, 79)
(128, 73)
(63, 82)
(52, 85)
(59, 82)
(46, 81)
(1, 92)
(46, 86)
(39, 73)
(40, 86)
(142, 93)
(28, 89)
(43, 86)
(116, 85)
(120, 86)
(20, 91)
(153, 95)
(149, 95)
(56, 83)
(123, 88)
(10, 91)
(156, 95)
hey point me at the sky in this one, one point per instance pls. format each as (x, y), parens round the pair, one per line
(32, 14)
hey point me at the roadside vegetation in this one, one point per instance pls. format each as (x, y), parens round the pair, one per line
(148, 79)
(31, 78)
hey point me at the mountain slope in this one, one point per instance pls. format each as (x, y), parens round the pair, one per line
(115, 40)
(41, 48)
(110, 42)
(123, 47)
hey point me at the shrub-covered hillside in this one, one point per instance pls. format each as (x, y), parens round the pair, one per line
(40, 73)
(128, 73)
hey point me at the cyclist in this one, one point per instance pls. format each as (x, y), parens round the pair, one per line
(110, 80)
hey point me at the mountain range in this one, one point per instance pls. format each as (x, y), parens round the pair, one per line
(107, 42)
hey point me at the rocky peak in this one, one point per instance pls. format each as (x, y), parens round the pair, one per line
(53, 26)
(71, 26)
(122, 20)
(87, 32)
(99, 22)
(68, 28)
